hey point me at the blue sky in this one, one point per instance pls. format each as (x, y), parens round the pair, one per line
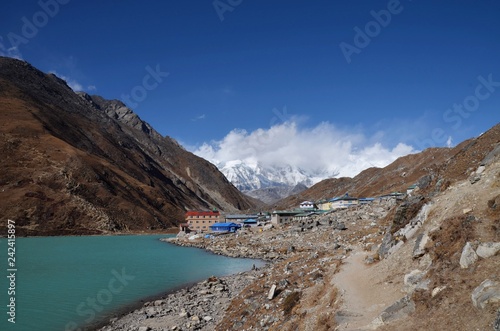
(250, 65)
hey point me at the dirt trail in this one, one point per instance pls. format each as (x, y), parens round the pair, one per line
(364, 291)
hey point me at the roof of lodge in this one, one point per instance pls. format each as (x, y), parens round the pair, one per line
(288, 212)
(241, 216)
(202, 213)
(344, 198)
(223, 225)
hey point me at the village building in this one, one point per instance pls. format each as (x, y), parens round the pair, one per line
(393, 195)
(344, 202)
(365, 201)
(225, 227)
(250, 223)
(283, 216)
(200, 221)
(307, 215)
(239, 218)
(411, 188)
(307, 205)
(324, 205)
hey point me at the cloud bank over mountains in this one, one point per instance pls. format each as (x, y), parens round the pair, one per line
(324, 149)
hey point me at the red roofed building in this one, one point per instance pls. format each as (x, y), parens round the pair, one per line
(200, 221)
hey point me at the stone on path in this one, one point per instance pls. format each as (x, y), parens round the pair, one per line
(272, 291)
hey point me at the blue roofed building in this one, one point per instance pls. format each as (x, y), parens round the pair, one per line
(225, 227)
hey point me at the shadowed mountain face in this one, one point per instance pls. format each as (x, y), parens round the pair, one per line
(433, 170)
(78, 164)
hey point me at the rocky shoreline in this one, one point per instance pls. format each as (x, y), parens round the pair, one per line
(197, 307)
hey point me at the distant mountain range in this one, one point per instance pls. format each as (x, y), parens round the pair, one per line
(269, 183)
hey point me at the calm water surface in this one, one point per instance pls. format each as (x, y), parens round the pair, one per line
(66, 283)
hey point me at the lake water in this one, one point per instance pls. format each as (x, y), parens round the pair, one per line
(67, 283)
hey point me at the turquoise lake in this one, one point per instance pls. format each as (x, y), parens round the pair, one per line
(72, 283)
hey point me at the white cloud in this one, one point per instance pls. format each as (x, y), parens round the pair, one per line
(324, 148)
(449, 142)
(198, 118)
(73, 84)
(12, 52)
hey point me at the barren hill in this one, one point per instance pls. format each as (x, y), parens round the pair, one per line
(75, 164)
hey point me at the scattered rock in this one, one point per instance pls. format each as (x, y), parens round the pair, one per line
(208, 318)
(469, 256)
(268, 226)
(272, 291)
(385, 246)
(397, 310)
(340, 226)
(487, 292)
(496, 325)
(487, 250)
(414, 280)
(419, 249)
(144, 328)
(437, 290)
(474, 178)
(394, 248)
(466, 210)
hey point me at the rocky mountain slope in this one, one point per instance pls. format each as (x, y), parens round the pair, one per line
(433, 170)
(73, 163)
(270, 195)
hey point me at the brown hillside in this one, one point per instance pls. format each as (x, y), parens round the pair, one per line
(69, 167)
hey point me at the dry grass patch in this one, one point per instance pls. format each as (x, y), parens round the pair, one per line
(290, 302)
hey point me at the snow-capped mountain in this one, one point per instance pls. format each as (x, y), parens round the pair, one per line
(248, 177)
